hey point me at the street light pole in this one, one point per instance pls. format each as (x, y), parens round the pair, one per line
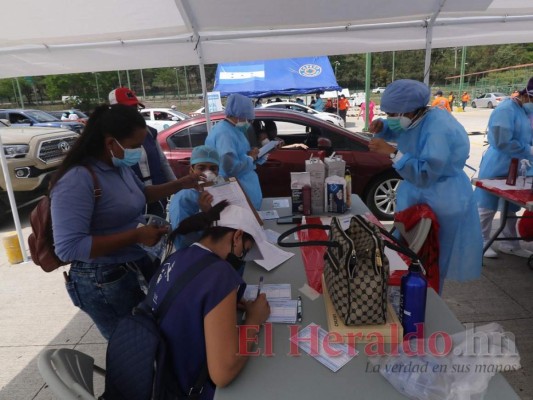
(97, 88)
(186, 82)
(178, 85)
(463, 63)
(337, 63)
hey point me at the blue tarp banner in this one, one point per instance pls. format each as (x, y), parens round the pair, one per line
(276, 77)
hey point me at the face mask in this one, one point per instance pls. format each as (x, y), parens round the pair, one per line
(528, 108)
(131, 157)
(210, 176)
(398, 124)
(264, 142)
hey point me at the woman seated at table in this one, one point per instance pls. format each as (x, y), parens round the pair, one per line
(200, 325)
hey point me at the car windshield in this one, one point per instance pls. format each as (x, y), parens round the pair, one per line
(41, 116)
(79, 113)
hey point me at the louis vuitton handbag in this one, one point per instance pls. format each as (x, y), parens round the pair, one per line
(355, 269)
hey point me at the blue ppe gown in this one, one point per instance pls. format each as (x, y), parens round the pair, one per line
(183, 205)
(509, 137)
(434, 155)
(233, 147)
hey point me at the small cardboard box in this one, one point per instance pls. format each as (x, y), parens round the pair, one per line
(317, 171)
(335, 166)
(390, 332)
(298, 181)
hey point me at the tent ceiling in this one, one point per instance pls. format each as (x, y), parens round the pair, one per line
(59, 36)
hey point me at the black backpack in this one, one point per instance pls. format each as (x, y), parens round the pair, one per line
(138, 365)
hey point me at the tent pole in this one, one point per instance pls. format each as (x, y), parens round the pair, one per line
(368, 73)
(429, 41)
(12, 202)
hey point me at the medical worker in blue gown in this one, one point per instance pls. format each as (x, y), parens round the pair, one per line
(432, 148)
(228, 137)
(509, 136)
(187, 202)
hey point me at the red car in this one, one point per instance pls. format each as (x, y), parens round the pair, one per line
(373, 177)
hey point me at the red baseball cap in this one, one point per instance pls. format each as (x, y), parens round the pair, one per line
(124, 95)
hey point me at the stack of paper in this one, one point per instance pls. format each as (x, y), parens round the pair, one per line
(282, 309)
(335, 357)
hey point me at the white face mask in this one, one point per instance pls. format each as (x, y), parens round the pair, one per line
(210, 175)
(264, 142)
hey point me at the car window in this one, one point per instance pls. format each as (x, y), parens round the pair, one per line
(41, 116)
(189, 137)
(16, 118)
(146, 115)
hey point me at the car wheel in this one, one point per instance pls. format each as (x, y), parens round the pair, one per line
(381, 197)
(474, 105)
(490, 105)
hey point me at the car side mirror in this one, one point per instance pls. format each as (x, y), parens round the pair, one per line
(175, 119)
(31, 123)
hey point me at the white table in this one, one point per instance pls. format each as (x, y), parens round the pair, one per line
(287, 377)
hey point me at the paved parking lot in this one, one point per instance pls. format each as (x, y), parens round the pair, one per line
(36, 313)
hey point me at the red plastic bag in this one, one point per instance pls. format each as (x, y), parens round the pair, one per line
(313, 256)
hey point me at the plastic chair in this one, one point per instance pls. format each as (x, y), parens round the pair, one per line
(69, 373)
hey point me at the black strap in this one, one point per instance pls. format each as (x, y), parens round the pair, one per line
(398, 246)
(288, 233)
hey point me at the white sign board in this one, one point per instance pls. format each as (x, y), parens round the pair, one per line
(214, 102)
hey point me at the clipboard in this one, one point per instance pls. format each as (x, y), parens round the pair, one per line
(232, 191)
(267, 148)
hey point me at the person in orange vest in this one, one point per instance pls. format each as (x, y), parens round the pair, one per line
(344, 104)
(451, 99)
(441, 102)
(465, 98)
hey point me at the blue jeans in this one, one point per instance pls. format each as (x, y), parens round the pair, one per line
(106, 292)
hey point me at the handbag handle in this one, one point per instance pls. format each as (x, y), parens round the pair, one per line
(288, 233)
(398, 246)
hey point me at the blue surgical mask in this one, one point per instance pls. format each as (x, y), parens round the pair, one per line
(528, 108)
(131, 157)
(398, 124)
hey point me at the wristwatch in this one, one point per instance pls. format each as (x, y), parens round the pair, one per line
(392, 156)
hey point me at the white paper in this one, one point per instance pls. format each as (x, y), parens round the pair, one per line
(273, 257)
(309, 292)
(273, 291)
(281, 203)
(272, 236)
(395, 261)
(268, 214)
(334, 363)
(267, 148)
(283, 311)
(230, 191)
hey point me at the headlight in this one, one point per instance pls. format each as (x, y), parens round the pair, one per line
(16, 150)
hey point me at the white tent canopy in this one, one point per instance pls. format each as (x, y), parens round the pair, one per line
(60, 37)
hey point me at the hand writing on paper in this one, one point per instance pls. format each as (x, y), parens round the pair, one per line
(257, 311)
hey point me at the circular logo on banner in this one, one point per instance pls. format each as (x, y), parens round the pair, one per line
(310, 70)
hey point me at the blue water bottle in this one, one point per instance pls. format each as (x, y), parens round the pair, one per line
(413, 292)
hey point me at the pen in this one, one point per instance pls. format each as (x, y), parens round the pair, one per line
(259, 287)
(299, 309)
